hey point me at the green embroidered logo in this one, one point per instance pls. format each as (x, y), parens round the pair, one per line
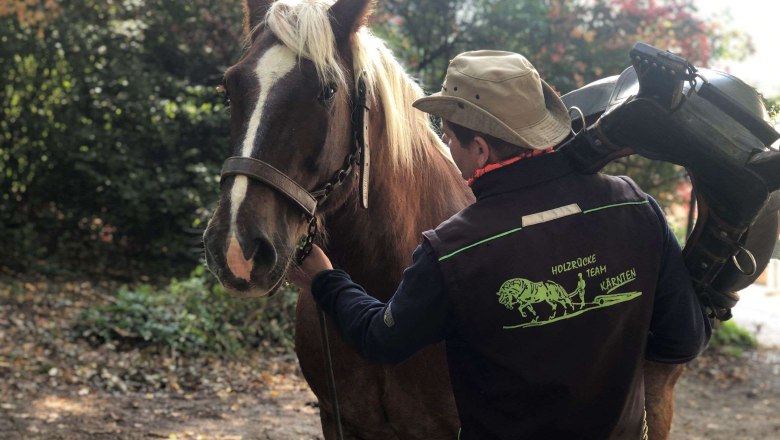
(528, 298)
(388, 317)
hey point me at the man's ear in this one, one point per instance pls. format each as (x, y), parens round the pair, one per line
(484, 153)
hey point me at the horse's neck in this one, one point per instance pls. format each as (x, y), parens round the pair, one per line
(375, 245)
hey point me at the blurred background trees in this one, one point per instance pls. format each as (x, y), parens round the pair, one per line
(570, 42)
(111, 133)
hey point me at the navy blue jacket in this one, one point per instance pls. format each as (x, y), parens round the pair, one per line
(427, 307)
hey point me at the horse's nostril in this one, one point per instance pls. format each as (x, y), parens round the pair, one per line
(247, 253)
(238, 263)
(264, 252)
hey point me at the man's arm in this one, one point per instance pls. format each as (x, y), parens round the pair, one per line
(680, 329)
(416, 315)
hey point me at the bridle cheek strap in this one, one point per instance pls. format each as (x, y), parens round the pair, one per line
(263, 172)
(360, 115)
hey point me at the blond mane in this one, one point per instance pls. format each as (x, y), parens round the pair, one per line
(304, 27)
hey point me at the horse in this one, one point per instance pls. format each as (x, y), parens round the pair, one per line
(293, 95)
(525, 293)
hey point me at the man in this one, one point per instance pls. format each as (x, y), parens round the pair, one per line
(496, 280)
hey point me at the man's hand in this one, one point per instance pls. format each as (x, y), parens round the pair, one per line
(315, 263)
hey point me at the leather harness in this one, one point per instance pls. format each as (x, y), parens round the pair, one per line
(717, 134)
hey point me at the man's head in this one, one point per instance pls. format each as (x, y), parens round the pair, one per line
(472, 149)
(497, 98)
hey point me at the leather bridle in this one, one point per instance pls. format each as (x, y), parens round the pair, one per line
(309, 201)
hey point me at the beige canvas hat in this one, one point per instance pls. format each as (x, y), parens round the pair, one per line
(500, 94)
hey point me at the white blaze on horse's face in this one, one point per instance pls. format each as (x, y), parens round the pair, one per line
(275, 63)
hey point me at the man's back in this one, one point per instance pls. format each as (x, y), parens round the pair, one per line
(550, 291)
(551, 277)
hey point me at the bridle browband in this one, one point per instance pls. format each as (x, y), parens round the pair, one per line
(309, 201)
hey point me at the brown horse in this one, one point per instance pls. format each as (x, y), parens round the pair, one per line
(291, 93)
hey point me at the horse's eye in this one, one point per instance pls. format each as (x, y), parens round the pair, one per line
(327, 93)
(225, 95)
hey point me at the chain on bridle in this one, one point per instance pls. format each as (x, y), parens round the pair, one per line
(310, 201)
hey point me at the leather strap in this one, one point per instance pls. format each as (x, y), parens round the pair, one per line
(758, 127)
(362, 138)
(259, 170)
(308, 201)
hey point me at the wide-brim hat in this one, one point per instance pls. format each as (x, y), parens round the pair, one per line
(500, 94)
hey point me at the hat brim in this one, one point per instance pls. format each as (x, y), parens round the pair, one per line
(543, 134)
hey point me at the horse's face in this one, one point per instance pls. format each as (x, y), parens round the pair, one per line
(283, 114)
(505, 298)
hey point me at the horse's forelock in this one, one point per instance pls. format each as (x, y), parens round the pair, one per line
(304, 26)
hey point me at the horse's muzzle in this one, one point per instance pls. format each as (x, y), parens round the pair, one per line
(246, 264)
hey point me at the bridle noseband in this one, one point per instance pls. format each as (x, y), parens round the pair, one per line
(309, 201)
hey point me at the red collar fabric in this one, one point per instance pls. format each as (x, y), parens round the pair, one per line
(494, 166)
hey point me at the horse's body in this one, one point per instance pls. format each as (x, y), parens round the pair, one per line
(525, 293)
(291, 92)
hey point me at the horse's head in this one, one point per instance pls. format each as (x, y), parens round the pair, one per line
(291, 95)
(506, 294)
(514, 291)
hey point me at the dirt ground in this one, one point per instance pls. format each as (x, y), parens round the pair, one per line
(53, 387)
(726, 398)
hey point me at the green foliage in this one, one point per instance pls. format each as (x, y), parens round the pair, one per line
(570, 42)
(773, 108)
(731, 339)
(192, 317)
(111, 133)
(659, 179)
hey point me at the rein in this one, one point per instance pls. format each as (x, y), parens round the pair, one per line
(309, 201)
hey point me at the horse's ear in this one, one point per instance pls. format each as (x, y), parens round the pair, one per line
(347, 16)
(254, 13)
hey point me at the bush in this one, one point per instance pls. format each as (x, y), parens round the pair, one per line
(111, 132)
(192, 317)
(729, 338)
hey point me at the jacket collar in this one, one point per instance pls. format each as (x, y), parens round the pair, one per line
(522, 174)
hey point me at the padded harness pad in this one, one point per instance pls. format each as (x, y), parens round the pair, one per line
(721, 141)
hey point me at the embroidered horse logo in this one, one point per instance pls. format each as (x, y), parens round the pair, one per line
(526, 295)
